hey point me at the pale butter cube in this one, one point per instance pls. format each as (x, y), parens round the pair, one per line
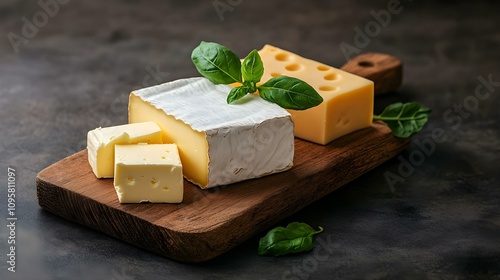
(101, 144)
(218, 143)
(348, 98)
(148, 173)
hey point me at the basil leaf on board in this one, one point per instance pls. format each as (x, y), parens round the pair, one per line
(295, 238)
(217, 63)
(404, 119)
(290, 93)
(237, 93)
(252, 67)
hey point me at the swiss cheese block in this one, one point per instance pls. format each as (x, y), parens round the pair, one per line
(101, 143)
(218, 143)
(348, 99)
(148, 173)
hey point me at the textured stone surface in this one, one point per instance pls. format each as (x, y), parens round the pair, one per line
(74, 74)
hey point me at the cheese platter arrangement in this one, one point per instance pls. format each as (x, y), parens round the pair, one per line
(205, 163)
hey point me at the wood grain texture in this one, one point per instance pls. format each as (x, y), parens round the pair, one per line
(386, 71)
(210, 222)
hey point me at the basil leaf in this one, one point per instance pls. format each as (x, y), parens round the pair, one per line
(252, 67)
(217, 63)
(290, 93)
(295, 238)
(237, 93)
(404, 119)
(252, 86)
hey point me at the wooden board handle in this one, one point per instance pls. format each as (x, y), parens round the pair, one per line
(386, 71)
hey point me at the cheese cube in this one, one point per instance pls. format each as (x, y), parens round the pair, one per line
(348, 99)
(148, 173)
(218, 143)
(101, 144)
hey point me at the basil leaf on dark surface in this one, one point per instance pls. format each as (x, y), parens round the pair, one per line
(295, 238)
(217, 63)
(404, 119)
(290, 93)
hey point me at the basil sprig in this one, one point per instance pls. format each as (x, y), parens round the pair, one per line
(222, 66)
(295, 238)
(404, 119)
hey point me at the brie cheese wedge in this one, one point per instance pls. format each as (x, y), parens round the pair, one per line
(218, 143)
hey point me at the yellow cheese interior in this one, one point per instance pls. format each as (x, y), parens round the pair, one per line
(102, 141)
(192, 144)
(348, 99)
(148, 173)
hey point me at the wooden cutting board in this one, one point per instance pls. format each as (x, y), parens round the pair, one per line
(210, 222)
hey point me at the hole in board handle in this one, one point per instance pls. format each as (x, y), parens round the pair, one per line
(365, 63)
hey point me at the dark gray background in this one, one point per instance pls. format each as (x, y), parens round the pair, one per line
(75, 74)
